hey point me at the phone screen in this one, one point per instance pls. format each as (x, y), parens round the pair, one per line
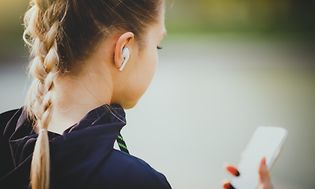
(265, 142)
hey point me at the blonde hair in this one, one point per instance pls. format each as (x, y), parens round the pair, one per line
(41, 32)
(57, 35)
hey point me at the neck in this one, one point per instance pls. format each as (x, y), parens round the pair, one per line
(75, 96)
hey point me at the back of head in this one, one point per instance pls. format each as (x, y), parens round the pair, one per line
(60, 34)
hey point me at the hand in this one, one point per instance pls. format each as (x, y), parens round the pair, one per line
(264, 176)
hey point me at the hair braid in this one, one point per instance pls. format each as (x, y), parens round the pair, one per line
(41, 34)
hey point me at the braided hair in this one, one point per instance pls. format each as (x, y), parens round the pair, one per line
(42, 22)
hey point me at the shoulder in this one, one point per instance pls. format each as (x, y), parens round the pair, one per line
(122, 170)
(5, 117)
(5, 131)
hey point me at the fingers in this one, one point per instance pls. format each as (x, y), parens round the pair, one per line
(263, 171)
(264, 175)
(232, 170)
(227, 185)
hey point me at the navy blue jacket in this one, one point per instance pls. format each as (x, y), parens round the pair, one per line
(82, 157)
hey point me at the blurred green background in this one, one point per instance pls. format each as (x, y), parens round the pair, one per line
(227, 66)
(237, 18)
(264, 17)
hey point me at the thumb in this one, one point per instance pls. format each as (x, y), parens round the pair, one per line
(264, 175)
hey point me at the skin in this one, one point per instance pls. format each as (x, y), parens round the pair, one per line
(263, 172)
(100, 82)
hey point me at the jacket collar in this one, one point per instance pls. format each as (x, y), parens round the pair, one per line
(102, 115)
(98, 130)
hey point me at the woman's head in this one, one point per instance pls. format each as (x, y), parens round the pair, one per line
(73, 37)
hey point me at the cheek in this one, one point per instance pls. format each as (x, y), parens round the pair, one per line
(142, 75)
(151, 64)
(148, 68)
(154, 59)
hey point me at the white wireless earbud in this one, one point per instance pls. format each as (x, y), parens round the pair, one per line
(126, 55)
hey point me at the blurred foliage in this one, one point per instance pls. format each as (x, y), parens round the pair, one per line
(11, 29)
(289, 18)
(243, 16)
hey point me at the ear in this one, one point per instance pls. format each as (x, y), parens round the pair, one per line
(123, 41)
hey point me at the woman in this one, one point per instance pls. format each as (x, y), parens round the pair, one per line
(90, 60)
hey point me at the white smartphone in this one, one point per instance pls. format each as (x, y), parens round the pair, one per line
(265, 142)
